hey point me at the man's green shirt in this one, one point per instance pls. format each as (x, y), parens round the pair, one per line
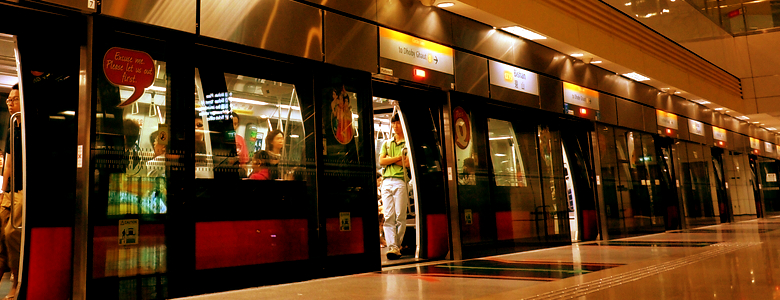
(391, 148)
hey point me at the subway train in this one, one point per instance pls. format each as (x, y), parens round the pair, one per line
(262, 169)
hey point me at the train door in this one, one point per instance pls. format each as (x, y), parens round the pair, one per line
(666, 176)
(740, 185)
(418, 111)
(578, 169)
(721, 185)
(39, 86)
(755, 180)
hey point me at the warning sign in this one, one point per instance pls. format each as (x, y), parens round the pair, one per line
(128, 232)
(345, 221)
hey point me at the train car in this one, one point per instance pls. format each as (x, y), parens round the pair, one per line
(222, 145)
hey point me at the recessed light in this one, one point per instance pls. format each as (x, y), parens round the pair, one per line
(524, 33)
(755, 122)
(719, 108)
(702, 102)
(772, 128)
(743, 117)
(445, 4)
(596, 62)
(577, 55)
(678, 92)
(636, 76)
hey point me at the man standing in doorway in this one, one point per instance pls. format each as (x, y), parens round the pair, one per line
(11, 236)
(395, 197)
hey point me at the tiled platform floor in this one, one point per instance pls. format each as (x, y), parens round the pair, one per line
(743, 263)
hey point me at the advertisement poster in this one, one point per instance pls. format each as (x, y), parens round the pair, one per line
(341, 122)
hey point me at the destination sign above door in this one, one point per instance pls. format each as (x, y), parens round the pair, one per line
(755, 143)
(665, 119)
(719, 134)
(696, 127)
(513, 78)
(415, 51)
(580, 96)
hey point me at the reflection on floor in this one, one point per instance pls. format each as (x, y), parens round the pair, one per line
(751, 230)
(505, 269)
(651, 244)
(688, 265)
(5, 284)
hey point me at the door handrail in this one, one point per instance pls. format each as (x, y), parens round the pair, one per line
(14, 117)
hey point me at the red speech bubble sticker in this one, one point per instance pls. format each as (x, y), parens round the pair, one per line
(129, 68)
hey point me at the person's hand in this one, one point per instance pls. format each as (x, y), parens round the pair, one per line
(404, 161)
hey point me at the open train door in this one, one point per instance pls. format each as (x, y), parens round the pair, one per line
(44, 57)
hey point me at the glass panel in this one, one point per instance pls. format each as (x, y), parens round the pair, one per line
(699, 206)
(517, 192)
(252, 156)
(508, 167)
(131, 164)
(612, 188)
(740, 189)
(771, 188)
(473, 193)
(637, 193)
(554, 184)
(347, 178)
(255, 130)
(663, 203)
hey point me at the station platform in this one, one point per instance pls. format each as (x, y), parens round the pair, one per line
(728, 261)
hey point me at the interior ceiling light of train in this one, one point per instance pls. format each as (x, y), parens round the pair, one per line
(8, 72)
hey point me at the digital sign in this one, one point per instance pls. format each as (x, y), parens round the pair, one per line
(218, 106)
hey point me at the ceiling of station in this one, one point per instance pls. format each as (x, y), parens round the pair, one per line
(462, 7)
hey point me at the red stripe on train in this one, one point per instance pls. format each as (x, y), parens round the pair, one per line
(438, 236)
(344, 242)
(242, 243)
(50, 263)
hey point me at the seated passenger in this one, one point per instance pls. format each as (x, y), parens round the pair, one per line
(468, 176)
(156, 166)
(274, 143)
(260, 166)
(243, 156)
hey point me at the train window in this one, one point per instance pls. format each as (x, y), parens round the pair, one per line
(507, 158)
(134, 134)
(247, 128)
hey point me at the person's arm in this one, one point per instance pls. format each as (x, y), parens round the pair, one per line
(7, 173)
(387, 160)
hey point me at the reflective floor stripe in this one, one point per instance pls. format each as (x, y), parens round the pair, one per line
(615, 280)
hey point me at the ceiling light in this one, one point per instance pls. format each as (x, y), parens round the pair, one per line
(157, 88)
(702, 102)
(743, 117)
(445, 4)
(719, 108)
(678, 92)
(577, 55)
(524, 33)
(596, 62)
(756, 122)
(636, 76)
(772, 128)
